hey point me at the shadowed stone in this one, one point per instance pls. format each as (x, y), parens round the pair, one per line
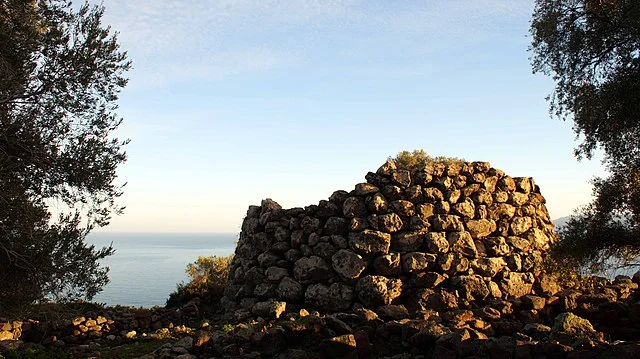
(370, 242)
(375, 290)
(348, 264)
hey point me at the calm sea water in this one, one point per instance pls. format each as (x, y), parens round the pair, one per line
(147, 266)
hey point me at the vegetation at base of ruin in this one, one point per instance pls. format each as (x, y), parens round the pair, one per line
(590, 48)
(207, 280)
(412, 160)
(133, 350)
(227, 327)
(123, 351)
(300, 321)
(34, 353)
(61, 72)
(564, 269)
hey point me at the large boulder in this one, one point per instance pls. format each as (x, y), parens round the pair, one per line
(311, 268)
(407, 241)
(343, 346)
(480, 228)
(369, 242)
(290, 290)
(415, 262)
(375, 290)
(269, 309)
(348, 264)
(388, 265)
(354, 207)
(471, 287)
(488, 266)
(462, 243)
(516, 284)
(333, 298)
(389, 223)
(569, 328)
(436, 242)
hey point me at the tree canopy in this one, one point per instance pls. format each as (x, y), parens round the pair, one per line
(591, 48)
(61, 72)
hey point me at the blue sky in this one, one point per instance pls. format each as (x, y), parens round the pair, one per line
(233, 101)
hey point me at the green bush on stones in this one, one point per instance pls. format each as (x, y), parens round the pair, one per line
(207, 281)
(411, 160)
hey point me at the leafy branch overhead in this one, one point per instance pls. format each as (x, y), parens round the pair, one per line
(591, 48)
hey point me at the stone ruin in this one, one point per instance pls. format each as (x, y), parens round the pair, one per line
(441, 237)
(442, 262)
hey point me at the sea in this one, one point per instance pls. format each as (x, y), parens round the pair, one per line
(146, 267)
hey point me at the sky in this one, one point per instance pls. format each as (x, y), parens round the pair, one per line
(233, 101)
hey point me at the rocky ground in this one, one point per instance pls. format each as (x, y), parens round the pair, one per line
(596, 319)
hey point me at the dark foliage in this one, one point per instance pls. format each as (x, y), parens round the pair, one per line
(60, 74)
(592, 50)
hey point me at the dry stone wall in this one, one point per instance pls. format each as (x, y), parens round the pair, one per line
(440, 238)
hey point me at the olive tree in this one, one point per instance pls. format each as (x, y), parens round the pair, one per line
(61, 72)
(591, 48)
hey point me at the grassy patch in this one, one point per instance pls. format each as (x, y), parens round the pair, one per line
(126, 351)
(132, 350)
(227, 327)
(34, 353)
(301, 322)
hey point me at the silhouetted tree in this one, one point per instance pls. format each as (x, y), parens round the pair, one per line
(60, 75)
(591, 48)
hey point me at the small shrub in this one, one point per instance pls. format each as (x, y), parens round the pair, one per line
(34, 353)
(411, 160)
(136, 349)
(163, 333)
(565, 270)
(227, 327)
(207, 281)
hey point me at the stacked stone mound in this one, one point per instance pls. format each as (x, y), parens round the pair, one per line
(439, 237)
